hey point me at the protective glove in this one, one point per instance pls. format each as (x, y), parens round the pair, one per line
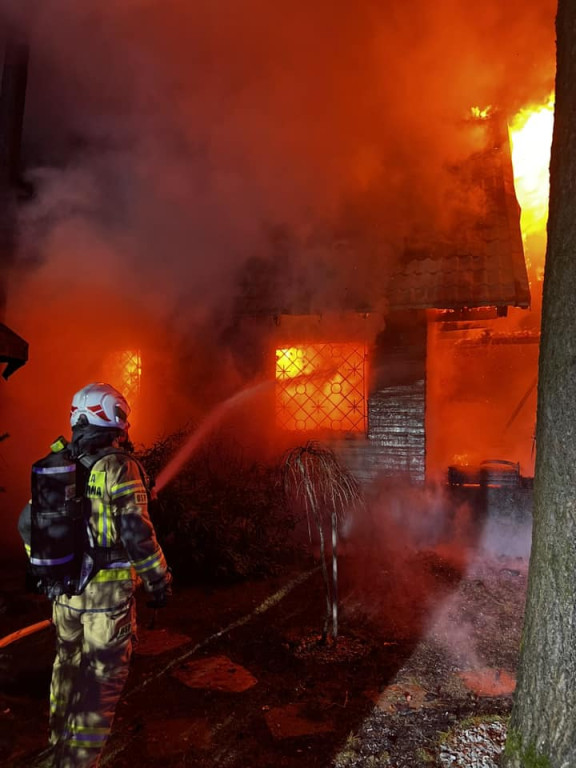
(159, 592)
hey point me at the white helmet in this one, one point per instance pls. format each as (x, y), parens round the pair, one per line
(102, 405)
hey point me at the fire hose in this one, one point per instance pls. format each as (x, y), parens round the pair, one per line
(31, 629)
(24, 632)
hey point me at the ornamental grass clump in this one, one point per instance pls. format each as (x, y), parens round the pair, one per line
(316, 485)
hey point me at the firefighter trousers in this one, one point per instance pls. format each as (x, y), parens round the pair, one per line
(94, 633)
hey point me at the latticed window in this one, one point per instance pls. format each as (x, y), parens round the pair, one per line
(124, 371)
(321, 387)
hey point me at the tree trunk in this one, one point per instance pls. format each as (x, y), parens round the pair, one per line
(542, 731)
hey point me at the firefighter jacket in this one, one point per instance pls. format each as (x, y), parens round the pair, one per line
(119, 522)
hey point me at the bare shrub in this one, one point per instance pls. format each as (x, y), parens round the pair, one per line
(221, 517)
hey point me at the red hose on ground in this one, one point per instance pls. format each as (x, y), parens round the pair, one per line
(24, 632)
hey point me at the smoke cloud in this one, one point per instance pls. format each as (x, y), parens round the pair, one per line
(405, 555)
(173, 132)
(422, 563)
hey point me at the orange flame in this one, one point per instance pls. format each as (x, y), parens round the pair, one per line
(480, 113)
(531, 139)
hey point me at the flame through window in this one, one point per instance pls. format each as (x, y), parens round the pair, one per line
(321, 387)
(124, 371)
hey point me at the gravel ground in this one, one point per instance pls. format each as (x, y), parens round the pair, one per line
(474, 745)
(450, 701)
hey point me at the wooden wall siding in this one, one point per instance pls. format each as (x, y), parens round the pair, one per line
(395, 446)
(395, 443)
(396, 430)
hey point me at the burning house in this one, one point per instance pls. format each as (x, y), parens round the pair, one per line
(388, 297)
(370, 352)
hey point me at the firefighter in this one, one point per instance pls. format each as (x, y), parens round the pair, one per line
(95, 629)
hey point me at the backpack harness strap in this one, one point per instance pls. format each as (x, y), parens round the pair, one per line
(103, 557)
(106, 556)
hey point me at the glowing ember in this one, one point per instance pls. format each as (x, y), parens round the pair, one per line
(489, 682)
(531, 140)
(321, 387)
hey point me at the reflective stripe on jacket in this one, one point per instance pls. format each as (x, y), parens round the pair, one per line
(119, 518)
